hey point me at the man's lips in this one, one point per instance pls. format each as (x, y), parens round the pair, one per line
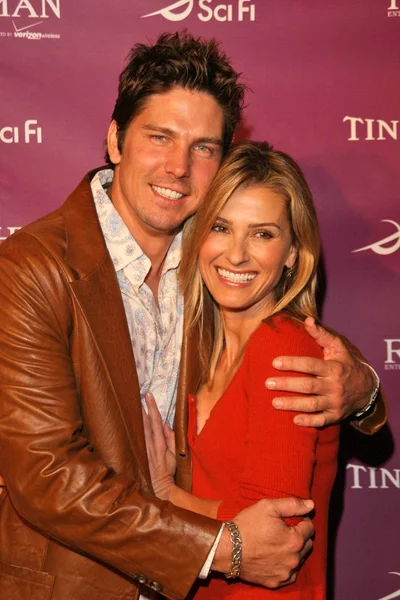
(167, 193)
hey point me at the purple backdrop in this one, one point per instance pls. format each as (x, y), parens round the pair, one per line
(325, 81)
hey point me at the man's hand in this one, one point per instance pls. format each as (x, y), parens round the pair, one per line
(342, 386)
(272, 551)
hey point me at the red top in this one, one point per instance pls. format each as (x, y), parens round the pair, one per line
(247, 450)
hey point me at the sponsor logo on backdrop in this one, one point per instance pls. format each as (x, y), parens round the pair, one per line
(394, 8)
(387, 245)
(395, 594)
(6, 231)
(30, 19)
(392, 362)
(370, 129)
(373, 478)
(207, 10)
(29, 133)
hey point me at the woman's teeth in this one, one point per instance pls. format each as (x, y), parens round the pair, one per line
(236, 277)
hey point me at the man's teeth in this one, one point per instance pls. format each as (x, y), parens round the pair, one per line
(167, 193)
(236, 277)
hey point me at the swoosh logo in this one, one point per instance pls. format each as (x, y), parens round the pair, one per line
(395, 594)
(172, 16)
(381, 247)
(27, 27)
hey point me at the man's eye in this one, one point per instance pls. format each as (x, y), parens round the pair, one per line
(159, 138)
(203, 149)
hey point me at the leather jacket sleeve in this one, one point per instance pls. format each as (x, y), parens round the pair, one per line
(56, 479)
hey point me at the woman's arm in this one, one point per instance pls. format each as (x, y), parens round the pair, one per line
(160, 444)
(280, 456)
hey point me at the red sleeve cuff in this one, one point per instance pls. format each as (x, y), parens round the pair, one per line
(228, 509)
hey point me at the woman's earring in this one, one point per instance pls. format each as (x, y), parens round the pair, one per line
(288, 279)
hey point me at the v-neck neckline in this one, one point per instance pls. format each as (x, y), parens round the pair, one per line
(193, 399)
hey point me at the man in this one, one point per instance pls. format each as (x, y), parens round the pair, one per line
(88, 293)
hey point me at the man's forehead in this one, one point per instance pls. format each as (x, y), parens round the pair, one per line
(182, 108)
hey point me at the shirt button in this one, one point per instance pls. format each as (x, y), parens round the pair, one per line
(142, 579)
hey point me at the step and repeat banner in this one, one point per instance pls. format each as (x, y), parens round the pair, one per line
(324, 79)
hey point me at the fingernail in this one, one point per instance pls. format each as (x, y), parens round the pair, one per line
(271, 384)
(276, 403)
(299, 420)
(277, 363)
(309, 503)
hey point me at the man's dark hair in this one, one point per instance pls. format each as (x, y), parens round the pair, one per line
(183, 60)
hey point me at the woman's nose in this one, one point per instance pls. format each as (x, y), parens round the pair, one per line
(237, 252)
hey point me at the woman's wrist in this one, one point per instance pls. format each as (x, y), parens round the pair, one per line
(163, 488)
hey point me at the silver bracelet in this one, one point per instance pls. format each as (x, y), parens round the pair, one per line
(374, 394)
(236, 550)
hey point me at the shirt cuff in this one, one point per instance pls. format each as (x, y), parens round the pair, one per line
(205, 571)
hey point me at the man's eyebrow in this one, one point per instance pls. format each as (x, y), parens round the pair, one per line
(209, 140)
(165, 130)
(170, 132)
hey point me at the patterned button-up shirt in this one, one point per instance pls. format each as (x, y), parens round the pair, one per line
(156, 333)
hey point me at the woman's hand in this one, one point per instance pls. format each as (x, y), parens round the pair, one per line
(160, 445)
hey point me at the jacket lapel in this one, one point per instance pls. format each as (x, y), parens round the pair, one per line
(98, 295)
(189, 380)
(190, 377)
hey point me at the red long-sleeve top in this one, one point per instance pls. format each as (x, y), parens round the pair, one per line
(248, 450)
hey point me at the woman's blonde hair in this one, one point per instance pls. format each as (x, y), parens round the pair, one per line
(251, 164)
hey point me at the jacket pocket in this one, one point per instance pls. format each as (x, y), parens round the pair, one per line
(20, 583)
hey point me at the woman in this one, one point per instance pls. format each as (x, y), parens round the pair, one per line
(251, 252)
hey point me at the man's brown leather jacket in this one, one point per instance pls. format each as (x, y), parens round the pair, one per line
(78, 520)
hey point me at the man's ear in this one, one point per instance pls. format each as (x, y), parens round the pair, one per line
(112, 143)
(291, 259)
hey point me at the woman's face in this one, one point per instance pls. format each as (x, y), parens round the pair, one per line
(242, 259)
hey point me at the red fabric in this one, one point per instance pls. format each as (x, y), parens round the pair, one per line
(247, 450)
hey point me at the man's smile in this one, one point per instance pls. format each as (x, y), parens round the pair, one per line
(167, 193)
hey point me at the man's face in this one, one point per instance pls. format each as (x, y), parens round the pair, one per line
(171, 153)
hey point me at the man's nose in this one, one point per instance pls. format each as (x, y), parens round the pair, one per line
(178, 162)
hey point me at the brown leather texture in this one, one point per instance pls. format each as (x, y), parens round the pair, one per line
(78, 519)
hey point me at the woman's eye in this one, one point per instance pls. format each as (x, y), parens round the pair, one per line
(266, 235)
(218, 228)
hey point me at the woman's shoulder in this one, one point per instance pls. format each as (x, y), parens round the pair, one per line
(282, 334)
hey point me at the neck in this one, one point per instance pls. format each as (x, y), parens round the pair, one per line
(239, 326)
(237, 332)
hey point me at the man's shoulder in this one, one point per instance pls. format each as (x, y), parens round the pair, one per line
(48, 234)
